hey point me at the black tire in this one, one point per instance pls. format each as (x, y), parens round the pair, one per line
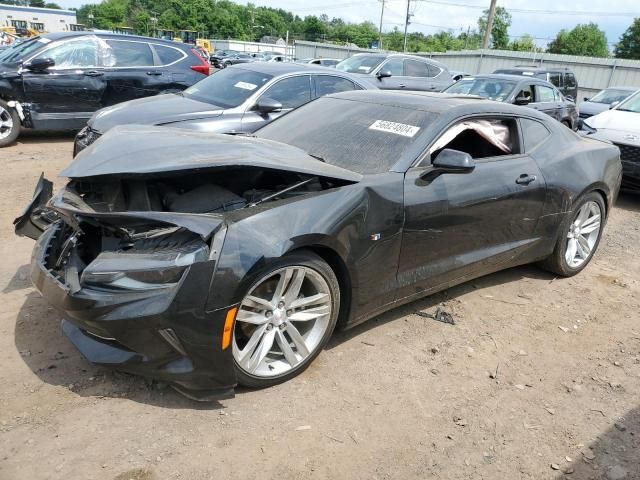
(310, 260)
(556, 262)
(15, 130)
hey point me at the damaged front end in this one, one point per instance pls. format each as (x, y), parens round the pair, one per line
(129, 259)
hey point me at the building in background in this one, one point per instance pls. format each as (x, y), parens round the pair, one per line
(26, 21)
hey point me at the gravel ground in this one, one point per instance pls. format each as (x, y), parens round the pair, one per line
(538, 379)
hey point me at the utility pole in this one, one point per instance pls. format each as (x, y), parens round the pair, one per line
(406, 25)
(381, 16)
(487, 33)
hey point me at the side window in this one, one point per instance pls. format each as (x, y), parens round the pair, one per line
(526, 92)
(395, 66)
(415, 68)
(570, 80)
(556, 79)
(480, 138)
(326, 84)
(544, 94)
(291, 92)
(557, 96)
(128, 54)
(73, 54)
(434, 71)
(168, 55)
(534, 133)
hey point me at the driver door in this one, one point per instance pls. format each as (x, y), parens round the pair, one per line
(65, 95)
(291, 92)
(460, 225)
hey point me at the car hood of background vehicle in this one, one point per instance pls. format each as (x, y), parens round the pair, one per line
(139, 149)
(593, 108)
(159, 110)
(616, 120)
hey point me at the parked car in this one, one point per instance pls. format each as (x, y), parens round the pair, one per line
(458, 75)
(534, 93)
(239, 99)
(57, 81)
(325, 62)
(604, 99)
(621, 126)
(231, 59)
(563, 78)
(398, 71)
(207, 260)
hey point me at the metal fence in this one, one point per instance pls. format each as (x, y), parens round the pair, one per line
(593, 74)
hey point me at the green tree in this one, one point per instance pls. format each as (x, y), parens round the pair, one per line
(525, 43)
(585, 39)
(500, 30)
(629, 44)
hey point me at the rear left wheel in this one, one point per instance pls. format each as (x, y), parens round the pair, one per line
(9, 124)
(284, 320)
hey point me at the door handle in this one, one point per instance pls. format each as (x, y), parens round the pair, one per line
(154, 73)
(525, 179)
(93, 73)
(402, 85)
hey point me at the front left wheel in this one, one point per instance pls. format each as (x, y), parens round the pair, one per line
(284, 320)
(9, 124)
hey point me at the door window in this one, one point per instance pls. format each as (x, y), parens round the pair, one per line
(168, 55)
(544, 94)
(434, 71)
(291, 92)
(415, 68)
(128, 54)
(480, 138)
(395, 66)
(534, 133)
(326, 84)
(527, 92)
(79, 53)
(570, 80)
(556, 79)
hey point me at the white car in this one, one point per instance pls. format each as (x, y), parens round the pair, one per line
(621, 126)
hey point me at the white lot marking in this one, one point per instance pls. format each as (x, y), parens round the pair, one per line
(393, 127)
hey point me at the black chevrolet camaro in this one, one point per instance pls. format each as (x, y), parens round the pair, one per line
(208, 260)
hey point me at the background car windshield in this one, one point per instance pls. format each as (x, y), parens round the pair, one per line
(610, 95)
(488, 88)
(19, 51)
(631, 104)
(360, 63)
(227, 88)
(362, 137)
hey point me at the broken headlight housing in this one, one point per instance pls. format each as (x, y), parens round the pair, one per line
(131, 270)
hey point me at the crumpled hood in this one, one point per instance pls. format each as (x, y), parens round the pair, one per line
(158, 110)
(616, 120)
(138, 149)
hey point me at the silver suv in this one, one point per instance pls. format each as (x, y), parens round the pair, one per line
(399, 71)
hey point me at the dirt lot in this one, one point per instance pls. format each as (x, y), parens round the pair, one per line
(538, 379)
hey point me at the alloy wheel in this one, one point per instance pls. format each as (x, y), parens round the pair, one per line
(6, 123)
(583, 234)
(281, 321)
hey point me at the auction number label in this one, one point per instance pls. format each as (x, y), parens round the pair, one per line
(393, 127)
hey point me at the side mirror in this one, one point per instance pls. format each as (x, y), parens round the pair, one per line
(613, 105)
(586, 99)
(522, 100)
(267, 105)
(40, 64)
(454, 161)
(569, 98)
(383, 74)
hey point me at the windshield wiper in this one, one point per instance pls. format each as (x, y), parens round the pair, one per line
(317, 157)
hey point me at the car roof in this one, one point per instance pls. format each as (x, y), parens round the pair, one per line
(102, 34)
(533, 68)
(404, 55)
(282, 68)
(507, 76)
(414, 100)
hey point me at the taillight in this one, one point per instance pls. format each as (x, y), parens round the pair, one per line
(203, 68)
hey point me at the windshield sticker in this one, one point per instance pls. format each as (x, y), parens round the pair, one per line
(393, 127)
(44, 40)
(528, 74)
(364, 68)
(246, 86)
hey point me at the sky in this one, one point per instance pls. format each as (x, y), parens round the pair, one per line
(430, 16)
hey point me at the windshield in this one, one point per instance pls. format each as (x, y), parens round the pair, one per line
(18, 51)
(631, 104)
(491, 88)
(227, 88)
(362, 137)
(360, 63)
(610, 95)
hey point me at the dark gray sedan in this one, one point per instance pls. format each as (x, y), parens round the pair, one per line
(238, 99)
(520, 90)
